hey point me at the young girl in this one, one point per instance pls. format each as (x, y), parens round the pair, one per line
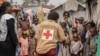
(19, 36)
(64, 47)
(75, 45)
(25, 29)
(24, 45)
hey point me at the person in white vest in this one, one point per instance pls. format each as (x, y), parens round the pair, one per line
(8, 33)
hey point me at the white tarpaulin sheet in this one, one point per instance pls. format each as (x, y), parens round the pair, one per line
(73, 5)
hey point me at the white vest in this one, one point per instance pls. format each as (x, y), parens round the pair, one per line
(3, 26)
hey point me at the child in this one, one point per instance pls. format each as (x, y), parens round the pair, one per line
(19, 36)
(24, 45)
(31, 41)
(81, 29)
(74, 30)
(64, 47)
(88, 25)
(75, 45)
(93, 42)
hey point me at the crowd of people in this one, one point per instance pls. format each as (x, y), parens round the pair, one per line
(49, 38)
(79, 39)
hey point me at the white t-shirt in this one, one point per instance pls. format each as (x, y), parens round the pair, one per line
(76, 47)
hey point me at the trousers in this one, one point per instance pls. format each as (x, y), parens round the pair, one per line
(51, 52)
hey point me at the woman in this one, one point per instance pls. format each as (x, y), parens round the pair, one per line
(8, 37)
(68, 21)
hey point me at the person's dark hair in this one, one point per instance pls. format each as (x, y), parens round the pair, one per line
(92, 24)
(63, 24)
(65, 31)
(74, 30)
(53, 16)
(94, 30)
(81, 19)
(65, 13)
(3, 8)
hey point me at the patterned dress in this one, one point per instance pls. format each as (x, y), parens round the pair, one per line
(24, 46)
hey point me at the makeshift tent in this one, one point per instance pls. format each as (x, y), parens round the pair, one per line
(77, 9)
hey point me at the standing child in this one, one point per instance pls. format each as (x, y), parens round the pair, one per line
(24, 45)
(75, 45)
(64, 47)
(31, 42)
(89, 25)
(19, 36)
(93, 42)
(25, 28)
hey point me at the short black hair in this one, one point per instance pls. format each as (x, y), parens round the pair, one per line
(92, 24)
(53, 16)
(81, 19)
(65, 13)
(94, 30)
(3, 7)
(74, 30)
(63, 24)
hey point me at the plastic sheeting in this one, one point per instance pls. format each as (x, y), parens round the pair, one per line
(73, 5)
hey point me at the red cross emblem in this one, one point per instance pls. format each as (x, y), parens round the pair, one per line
(47, 34)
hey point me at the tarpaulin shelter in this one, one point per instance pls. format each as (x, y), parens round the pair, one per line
(76, 8)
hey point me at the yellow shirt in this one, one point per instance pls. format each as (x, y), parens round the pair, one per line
(48, 34)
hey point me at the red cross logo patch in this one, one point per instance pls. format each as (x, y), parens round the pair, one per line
(47, 34)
